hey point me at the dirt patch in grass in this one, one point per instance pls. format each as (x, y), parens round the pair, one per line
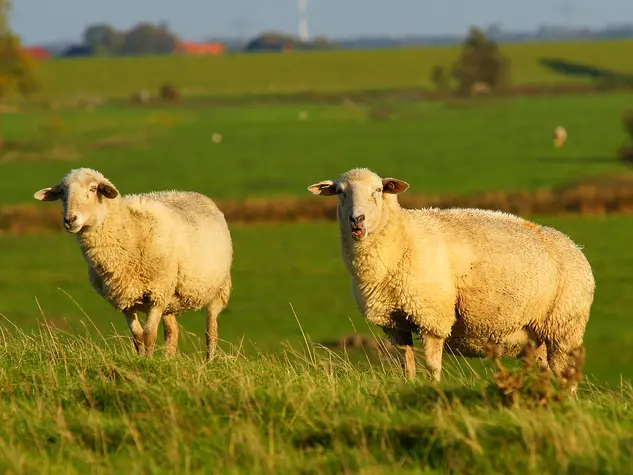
(410, 94)
(594, 196)
(64, 151)
(56, 154)
(29, 219)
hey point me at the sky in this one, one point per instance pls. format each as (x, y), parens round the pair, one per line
(39, 21)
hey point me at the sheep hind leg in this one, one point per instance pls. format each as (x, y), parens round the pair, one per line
(537, 352)
(136, 329)
(170, 329)
(403, 340)
(563, 334)
(150, 331)
(213, 309)
(541, 357)
(566, 361)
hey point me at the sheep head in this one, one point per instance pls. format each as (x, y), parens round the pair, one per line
(364, 199)
(84, 193)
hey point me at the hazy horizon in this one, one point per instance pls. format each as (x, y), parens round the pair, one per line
(65, 20)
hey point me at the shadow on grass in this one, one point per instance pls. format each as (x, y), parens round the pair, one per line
(570, 68)
(420, 441)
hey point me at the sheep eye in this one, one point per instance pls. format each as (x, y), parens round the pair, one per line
(378, 190)
(93, 189)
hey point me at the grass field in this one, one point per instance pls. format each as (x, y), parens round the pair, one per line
(75, 400)
(332, 71)
(71, 407)
(279, 265)
(455, 147)
(268, 151)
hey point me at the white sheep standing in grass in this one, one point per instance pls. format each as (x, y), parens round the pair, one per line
(460, 278)
(560, 136)
(162, 253)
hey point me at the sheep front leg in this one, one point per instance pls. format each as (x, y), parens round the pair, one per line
(403, 339)
(433, 348)
(170, 328)
(409, 362)
(136, 330)
(150, 331)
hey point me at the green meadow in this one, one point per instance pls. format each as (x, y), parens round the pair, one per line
(454, 147)
(315, 72)
(289, 278)
(74, 398)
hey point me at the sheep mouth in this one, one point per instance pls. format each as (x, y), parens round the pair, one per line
(72, 229)
(358, 233)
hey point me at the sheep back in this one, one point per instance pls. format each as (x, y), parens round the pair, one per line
(472, 275)
(171, 248)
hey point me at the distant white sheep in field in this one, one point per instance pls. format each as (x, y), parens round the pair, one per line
(460, 278)
(162, 253)
(560, 136)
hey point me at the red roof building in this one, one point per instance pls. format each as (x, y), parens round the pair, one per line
(208, 49)
(37, 52)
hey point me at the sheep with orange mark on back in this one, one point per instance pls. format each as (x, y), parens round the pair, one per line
(161, 253)
(460, 278)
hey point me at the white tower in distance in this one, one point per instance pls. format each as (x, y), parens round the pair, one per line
(303, 21)
(568, 10)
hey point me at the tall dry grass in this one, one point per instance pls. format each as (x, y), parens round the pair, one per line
(70, 404)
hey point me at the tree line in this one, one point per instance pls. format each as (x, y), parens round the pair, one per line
(143, 39)
(149, 39)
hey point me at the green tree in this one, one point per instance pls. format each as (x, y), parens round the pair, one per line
(146, 38)
(440, 79)
(103, 39)
(16, 67)
(481, 61)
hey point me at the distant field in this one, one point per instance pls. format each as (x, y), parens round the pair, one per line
(279, 265)
(456, 147)
(334, 71)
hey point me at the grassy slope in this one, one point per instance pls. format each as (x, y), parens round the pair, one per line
(316, 72)
(300, 264)
(458, 147)
(70, 407)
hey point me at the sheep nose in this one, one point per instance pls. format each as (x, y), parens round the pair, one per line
(358, 220)
(70, 219)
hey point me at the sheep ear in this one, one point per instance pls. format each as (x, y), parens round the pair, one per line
(52, 193)
(108, 190)
(393, 186)
(324, 188)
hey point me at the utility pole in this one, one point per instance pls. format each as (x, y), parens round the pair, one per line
(303, 21)
(567, 9)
